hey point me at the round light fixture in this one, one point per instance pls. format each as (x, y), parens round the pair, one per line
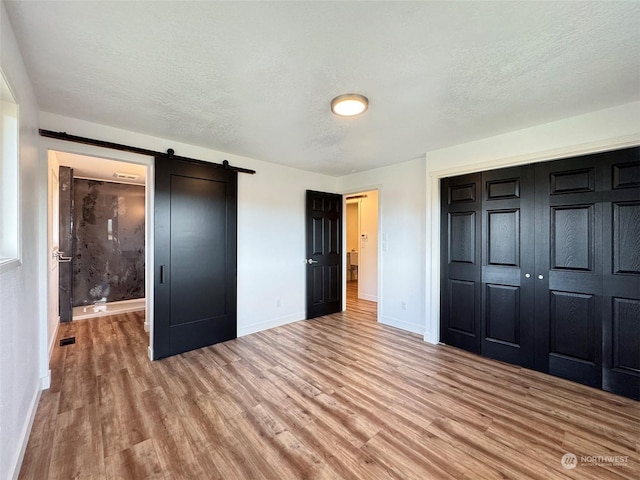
(349, 105)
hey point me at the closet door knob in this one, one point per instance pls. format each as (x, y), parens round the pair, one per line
(527, 275)
(540, 277)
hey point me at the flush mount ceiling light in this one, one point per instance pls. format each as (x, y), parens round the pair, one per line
(349, 105)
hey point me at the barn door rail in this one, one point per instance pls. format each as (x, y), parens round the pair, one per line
(170, 153)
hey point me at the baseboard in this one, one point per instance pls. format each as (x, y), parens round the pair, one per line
(429, 338)
(26, 431)
(401, 324)
(366, 296)
(276, 322)
(54, 337)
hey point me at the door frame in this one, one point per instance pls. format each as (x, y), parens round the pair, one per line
(51, 144)
(432, 266)
(345, 194)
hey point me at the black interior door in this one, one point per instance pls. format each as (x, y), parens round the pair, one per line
(507, 317)
(195, 256)
(461, 292)
(621, 272)
(324, 253)
(568, 274)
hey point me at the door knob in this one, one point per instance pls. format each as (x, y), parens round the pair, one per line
(540, 277)
(311, 261)
(527, 275)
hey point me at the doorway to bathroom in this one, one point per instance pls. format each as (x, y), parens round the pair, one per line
(361, 276)
(97, 237)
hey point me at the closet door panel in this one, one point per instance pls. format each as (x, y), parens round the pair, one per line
(507, 256)
(568, 278)
(621, 272)
(460, 260)
(541, 267)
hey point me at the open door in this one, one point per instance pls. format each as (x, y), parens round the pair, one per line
(195, 256)
(324, 253)
(65, 232)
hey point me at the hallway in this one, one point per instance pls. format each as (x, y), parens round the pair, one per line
(358, 306)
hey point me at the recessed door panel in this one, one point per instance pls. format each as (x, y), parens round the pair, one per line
(317, 235)
(462, 193)
(504, 237)
(462, 238)
(572, 237)
(462, 306)
(318, 285)
(503, 188)
(333, 232)
(626, 238)
(503, 314)
(572, 323)
(573, 181)
(334, 283)
(626, 175)
(198, 289)
(626, 335)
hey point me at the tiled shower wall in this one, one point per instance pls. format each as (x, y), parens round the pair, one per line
(108, 261)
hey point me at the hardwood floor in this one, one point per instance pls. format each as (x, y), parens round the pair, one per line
(357, 305)
(337, 397)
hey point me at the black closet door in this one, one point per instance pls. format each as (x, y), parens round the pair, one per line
(507, 265)
(568, 270)
(621, 273)
(461, 201)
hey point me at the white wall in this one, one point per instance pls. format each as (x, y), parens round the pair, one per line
(368, 247)
(271, 215)
(352, 226)
(607, 129)
(23, 340)
(401, 220)
(271, 244)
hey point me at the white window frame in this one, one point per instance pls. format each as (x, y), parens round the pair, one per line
(10, 228)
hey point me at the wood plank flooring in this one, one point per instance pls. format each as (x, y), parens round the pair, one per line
(338, 397)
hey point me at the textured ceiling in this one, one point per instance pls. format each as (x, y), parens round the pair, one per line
(256, 78)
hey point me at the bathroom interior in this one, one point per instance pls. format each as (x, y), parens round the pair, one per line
(101, 213)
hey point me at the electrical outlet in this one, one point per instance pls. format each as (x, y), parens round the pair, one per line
(403, 305)
(278, 303)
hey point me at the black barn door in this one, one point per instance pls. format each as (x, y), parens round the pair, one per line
(195, 256)
(324, 253)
